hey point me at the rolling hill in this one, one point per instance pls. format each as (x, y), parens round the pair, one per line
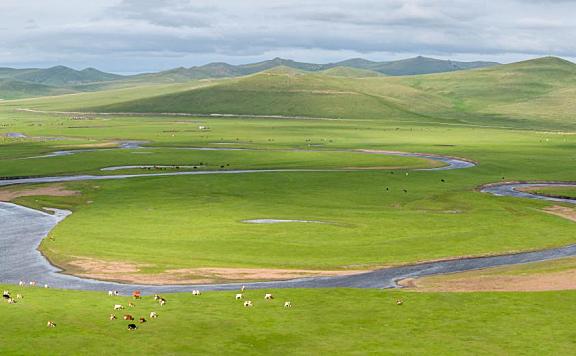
(349, 72)
(412, 66)
(535, 93)
(522, 93)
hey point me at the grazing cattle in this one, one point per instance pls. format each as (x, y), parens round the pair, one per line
(113, 293)
(157, 297)
(153, 315)
(19, 296)
(268, 296)
(243, 289)
(51, 324)
(399, 302)
(131, 305)
(32, 284)
(11, 301)
(112, 317)
(6, 294)
(118, 307)
(248, 303)
(162, 302)
(239, 296)
(142, 320)
(45, 286)
(136, 294)
(128, 317)
(21, 283)
(196, 292)
(132, 327)
(287, 305)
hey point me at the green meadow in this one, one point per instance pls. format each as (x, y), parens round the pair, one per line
(339, 321)
(376, 210)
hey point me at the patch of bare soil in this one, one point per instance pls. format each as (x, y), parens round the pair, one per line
(92, 145)
(56, 190)
(562, 211)
(131, 273)
(564, 280)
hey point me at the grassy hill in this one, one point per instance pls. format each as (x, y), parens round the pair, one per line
(13, 89)
(64, 76)
(515, 94)
(349, 72)
(533, 93)
(285, 91)
(418, 65)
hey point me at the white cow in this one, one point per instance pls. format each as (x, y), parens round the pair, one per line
(153, 315)
(287, 305)
(196, 292)
(248, 303)
(51, 324)
(113, 293)
(21, 284)
(118, 307)
(239, 296)
(268, 296)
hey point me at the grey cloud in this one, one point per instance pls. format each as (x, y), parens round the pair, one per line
(149, 31)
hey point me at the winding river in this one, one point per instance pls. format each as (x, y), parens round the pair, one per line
(23, 230)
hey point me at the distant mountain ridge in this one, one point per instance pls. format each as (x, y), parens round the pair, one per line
(410, 66)
(21, 83)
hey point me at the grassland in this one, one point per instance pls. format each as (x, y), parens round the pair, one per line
(555, 192)
(320, 321)
(376, 217)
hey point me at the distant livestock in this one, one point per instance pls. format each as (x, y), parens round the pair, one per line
(153, 315)
(268, 296)
(128, 317)
(112, 317)
(51, 324)
(113, 293)
(248, 303)
(239, 296)
(196, 292)
(118, 307)
(132, 327)
(287, 305)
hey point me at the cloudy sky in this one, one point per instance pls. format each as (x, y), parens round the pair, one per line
(148, 35)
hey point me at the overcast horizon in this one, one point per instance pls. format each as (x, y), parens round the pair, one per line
(134, 36)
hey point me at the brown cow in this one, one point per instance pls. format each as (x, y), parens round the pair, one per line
(128, 317)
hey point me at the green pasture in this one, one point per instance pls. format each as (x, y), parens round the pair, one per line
(339, 321)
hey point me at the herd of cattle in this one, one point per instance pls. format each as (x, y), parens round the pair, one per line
(136, 295)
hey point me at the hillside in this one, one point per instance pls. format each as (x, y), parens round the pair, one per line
(290, 92)
(535, 93)
(13, 89)
(349, 72)
(412, 66)
(33, 82)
